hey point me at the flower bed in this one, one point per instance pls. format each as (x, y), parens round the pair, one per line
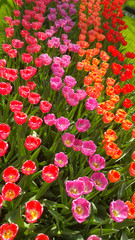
(67, 122)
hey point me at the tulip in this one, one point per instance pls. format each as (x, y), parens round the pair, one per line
(33, 211)
(8, 231)
(20, 117)
(118, 210)
(50, 173)
(16, 106)
(24, 91)
(28, 167)
(11, 174)
(34, 98)
(3, 148)
(5, 88)
(10, 191)
(4, 131)
(32, 142)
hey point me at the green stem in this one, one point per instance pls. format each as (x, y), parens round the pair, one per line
(99, 225)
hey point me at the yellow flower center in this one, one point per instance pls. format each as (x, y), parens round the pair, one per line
(7, 234)
(59, 161)
(98, 183)
(34, 214)
(115, 213)
(79, 210)
(11, 176)
(96, 165)
(28, 169)
(10, 194)
(67, 142)
(49, 175)
(73, 191)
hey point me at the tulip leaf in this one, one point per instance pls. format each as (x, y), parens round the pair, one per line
(74, 237)
(124, 236)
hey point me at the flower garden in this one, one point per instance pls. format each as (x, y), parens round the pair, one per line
(67, 116)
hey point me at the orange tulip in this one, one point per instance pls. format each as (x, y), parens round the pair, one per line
(113, 176)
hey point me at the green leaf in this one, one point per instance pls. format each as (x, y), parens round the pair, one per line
(69, 232)
(21, 137)
(46, 152)
(104, 231)
(35, 154)
(124, 236)
(124, 224)
(56, 215)
(62, 192)
(71, 169)
(74, 237)
(121, 190)
(16, 217)
(53, 204)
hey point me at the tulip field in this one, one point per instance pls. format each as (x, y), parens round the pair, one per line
(67, 120)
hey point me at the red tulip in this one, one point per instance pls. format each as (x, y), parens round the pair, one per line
(33, 70)
(133, 133)
(45, 106)
(1, 201)
(8, 231)
(5, 88)
(35, 122)
(8, 20)
(12, 53)
(24, 91)
(16, 43)
(42, 236)
(36, 25)
(11, 174)
(132, 169)
(50, 173)
(9, 74)
(128, 88)
(38, 62)
(27, 17)
(9, 32)
(16, 13)
(26, 57)
(32, 142)
(31, 85)
(33, 48)
(10, 191)
(29, 167)
(33, 211)
(133, 117)
(3, 63)
(26, 74)
(16, 22)
(28, 1)
(6, 47)
(34, 98)
(30, 49)
(16, 106)
(127, 103)
(42, 36)
(20, 117)
(4, 131)
(3, 148)
(25, 33)
(31, 40)
(26, 24)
